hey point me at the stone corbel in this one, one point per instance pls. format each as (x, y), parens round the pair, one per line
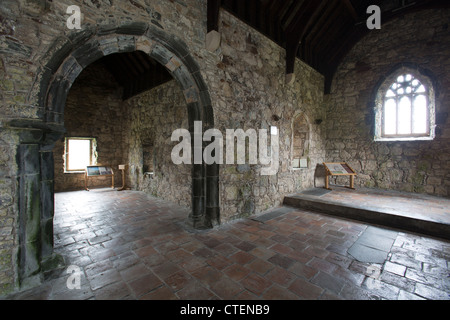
(290, 78)
(213, 39)
(213, 36)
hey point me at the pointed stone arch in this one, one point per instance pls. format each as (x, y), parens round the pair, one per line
(425, 78)
(59, 68)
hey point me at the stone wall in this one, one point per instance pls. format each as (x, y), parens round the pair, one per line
(244, 81)
(152, 117)
(8, 211)
(249, 91)
(93, 110)
(418, 39)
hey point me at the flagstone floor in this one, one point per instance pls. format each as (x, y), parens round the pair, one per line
(128, 245)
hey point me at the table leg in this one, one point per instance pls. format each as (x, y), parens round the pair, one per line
(327, 182)
(123, 180)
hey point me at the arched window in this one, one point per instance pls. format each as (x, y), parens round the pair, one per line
(405, 107)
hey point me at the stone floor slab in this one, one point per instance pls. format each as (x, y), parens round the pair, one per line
(130, 245)
(367, 254)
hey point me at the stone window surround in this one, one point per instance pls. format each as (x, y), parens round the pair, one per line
(386, 82)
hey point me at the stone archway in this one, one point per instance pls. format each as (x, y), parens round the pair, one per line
(59, 69)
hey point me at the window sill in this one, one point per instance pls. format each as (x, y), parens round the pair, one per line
(399, 139)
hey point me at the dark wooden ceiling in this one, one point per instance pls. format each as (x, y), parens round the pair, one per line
(319, 32)
(136, 72)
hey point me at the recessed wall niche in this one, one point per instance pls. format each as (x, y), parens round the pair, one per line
(300, 142)
(148, 157)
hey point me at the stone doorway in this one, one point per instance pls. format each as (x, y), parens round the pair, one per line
(67, 58)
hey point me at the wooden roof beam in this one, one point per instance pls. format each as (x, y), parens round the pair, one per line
(213, 15)
(311, 36)
(144, 59)
(287, 19)
(351, 9)
(136, 63)
(213, 36)
(297, 29)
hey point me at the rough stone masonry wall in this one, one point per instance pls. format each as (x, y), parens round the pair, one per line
(8, 211)
(420, 39)
(93, 110)
(249, 91)
(29, 34)
(245, 78)
(152, 117)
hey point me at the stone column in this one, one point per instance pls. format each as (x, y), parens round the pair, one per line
(29, 220)
(212, 195)
(36, 204)
(48, 259)
(198, 197)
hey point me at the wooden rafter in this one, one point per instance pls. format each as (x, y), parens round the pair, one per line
(213, 15)
(296, 30)
(351, 9)
(320, 32)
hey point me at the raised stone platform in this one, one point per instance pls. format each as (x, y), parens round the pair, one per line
(417, 213)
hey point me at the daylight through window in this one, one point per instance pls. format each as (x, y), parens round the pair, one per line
(79, 153)
(405, 109)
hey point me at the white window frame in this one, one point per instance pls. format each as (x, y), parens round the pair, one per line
(380, 103)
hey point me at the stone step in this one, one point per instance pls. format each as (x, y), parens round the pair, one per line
(406, 220)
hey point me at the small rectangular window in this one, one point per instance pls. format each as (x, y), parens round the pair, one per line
(79, 153)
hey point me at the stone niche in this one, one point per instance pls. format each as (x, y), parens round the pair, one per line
(300, 141)
(148, 157)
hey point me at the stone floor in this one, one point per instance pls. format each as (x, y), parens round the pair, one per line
(411, 212)
(418, 206)
(128, 245)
